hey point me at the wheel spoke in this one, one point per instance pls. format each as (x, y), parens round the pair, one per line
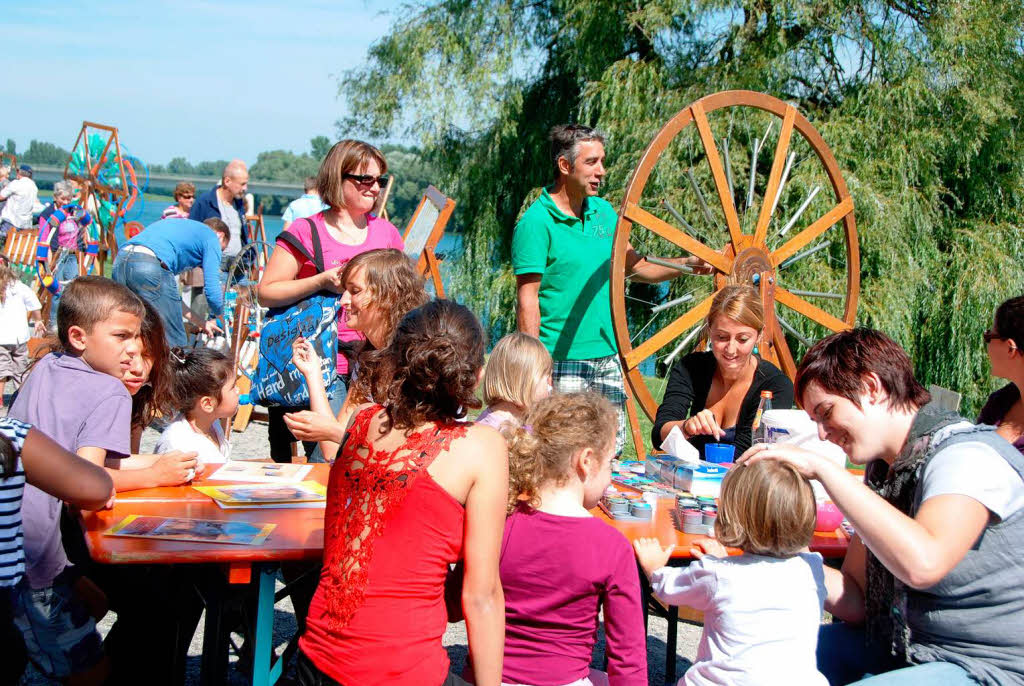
(659, 340)
(783, 353)
(670, 233)
(816, 314)
(721, 182)
(767, 201)
(813, 231)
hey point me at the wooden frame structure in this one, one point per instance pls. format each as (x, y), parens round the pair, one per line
(94, 186)
(424, 232)
(746, 258)
(7, 169)
(380, 208)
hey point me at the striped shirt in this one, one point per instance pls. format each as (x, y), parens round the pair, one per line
(12, 554)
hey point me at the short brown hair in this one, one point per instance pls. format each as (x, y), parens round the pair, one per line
(184, 188)
(540, 451)
(218, 225)
(739, 303)
(344, 158)
(512, 369)
(766, 508)
(840, 362)
(430, 369)
(88, 300)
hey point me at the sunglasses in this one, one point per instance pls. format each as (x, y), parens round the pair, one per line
(990, 336)
(367, 179)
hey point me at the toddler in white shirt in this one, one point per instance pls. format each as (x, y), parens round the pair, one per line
(203, 391)
(762, 609)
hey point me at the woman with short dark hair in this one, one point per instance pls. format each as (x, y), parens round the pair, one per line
(934, 572)
(1005, 408)
(184, 198)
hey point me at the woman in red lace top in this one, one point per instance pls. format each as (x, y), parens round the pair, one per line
(412, 491)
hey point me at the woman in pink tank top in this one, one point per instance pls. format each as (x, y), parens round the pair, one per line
(413, 491)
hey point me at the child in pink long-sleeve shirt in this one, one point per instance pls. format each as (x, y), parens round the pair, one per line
(559, 564)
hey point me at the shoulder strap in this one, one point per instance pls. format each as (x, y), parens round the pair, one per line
(318, 251)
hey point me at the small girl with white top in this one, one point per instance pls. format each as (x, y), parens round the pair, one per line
(761, 609)
(517, 375)
(203, 390)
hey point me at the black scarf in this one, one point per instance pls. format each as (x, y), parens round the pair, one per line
(886, 596)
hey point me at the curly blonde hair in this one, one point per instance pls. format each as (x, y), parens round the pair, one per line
(541, 450)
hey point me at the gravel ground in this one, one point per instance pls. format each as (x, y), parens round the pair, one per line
(253, 442)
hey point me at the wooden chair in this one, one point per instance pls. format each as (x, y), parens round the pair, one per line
(424, 232)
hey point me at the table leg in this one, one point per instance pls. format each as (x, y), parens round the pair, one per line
(214, 662)
(265, 671)
(670, 644)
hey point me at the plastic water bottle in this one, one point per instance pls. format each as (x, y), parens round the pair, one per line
(758, 430)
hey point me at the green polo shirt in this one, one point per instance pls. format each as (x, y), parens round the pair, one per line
(573, 258)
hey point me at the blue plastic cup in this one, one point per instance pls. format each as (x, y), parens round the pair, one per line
(719, 452)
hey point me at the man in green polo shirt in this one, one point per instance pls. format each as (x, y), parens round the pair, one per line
(561, 255)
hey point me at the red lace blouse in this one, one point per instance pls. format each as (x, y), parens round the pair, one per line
(390, 532)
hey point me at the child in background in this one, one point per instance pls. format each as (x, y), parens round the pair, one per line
(147, 377)
(559, 467)
(761, 609)
(29, 456)
(203, 391)
(517, 375)
(18, 304)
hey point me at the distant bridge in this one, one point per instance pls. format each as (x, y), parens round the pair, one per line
(50, 174)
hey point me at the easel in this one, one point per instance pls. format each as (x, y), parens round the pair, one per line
(380, 208)
(424, 232)
(6, 169)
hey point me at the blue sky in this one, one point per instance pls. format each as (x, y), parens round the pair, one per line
(200, 79)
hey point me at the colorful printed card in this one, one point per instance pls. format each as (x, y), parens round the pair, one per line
(260, 494)
(261, 472)
(201, 530)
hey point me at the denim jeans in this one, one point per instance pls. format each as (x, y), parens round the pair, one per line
(844, 658)
(144, 276)
(64, 271)
(281, 438)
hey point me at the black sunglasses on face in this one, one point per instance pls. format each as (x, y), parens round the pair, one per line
(990, 336)
(367, 179)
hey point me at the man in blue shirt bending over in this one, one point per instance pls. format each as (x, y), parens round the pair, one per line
(149, 263)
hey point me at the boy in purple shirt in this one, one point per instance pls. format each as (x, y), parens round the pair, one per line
(76, 397)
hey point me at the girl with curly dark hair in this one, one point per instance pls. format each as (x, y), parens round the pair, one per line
(412, 491)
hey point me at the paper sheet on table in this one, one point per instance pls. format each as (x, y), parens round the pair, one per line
(677, 446)
(262, 472)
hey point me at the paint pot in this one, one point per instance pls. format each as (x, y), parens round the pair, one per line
(719, 452)
(618, 505)
(708, 518)
(641, 510)
(684, 503)
(692, 517)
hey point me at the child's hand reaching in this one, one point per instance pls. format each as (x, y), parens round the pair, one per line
(651, 555)
(708, 546)
(304, 358)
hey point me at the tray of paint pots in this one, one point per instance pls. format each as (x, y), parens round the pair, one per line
(627, 508)
(695, 514)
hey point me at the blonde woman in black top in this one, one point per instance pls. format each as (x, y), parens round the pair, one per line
(712, 396)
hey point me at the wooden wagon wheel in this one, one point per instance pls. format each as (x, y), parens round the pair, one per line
(737, 256)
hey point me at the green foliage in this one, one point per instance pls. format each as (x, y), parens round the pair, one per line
(920, 103)
(40, 152)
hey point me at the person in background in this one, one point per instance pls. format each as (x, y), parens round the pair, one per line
(149, 263)
(932, 587)
(762, 609)
(349, 182)
(18, 305)
(63, 224)
(1005, 408)
(561, 255)
(713, 396)
(184, 198)
(227, 203)
(306, 205)
(517, 375)
(559, 563)
(20, 198)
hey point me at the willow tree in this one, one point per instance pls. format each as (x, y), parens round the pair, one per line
(920, 101)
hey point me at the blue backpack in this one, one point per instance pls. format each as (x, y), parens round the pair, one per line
(277, 380)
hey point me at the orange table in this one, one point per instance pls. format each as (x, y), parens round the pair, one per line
(299, 535)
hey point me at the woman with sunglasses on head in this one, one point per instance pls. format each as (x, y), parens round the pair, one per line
(1005, 407)
(349, 183)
